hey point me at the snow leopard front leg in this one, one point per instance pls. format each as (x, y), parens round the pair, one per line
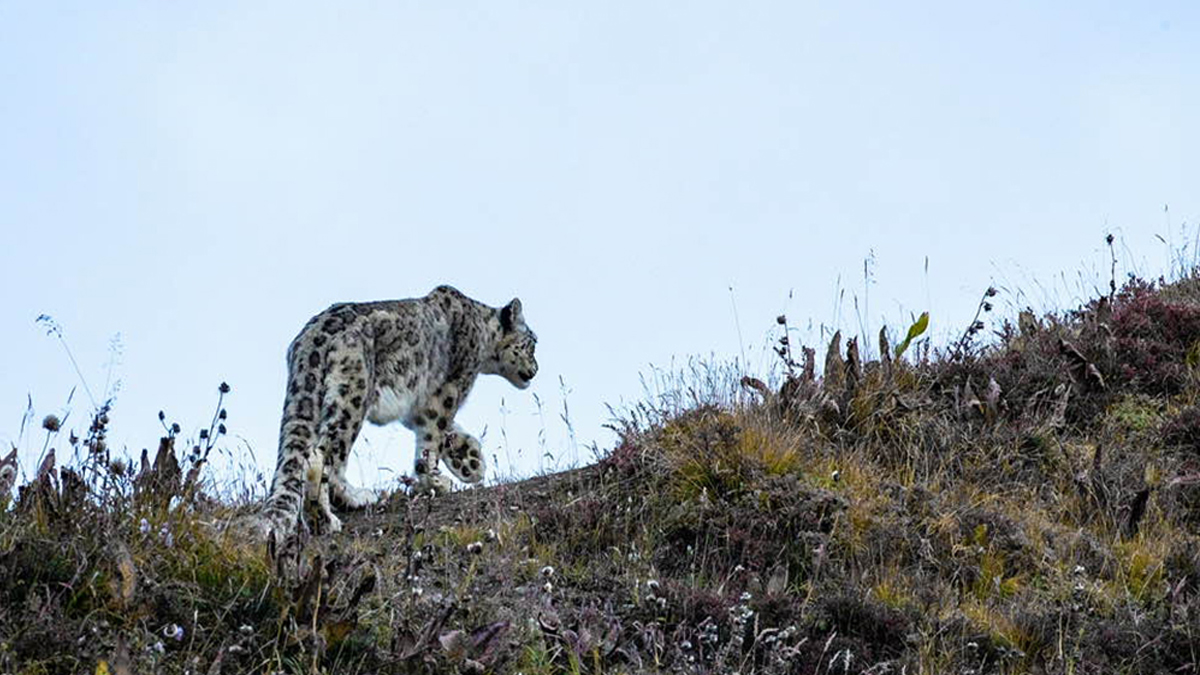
(463, 455)
(439, 440)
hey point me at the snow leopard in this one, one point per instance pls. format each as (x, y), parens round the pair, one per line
(413, 361)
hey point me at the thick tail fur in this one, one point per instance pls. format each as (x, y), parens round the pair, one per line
(297, 441)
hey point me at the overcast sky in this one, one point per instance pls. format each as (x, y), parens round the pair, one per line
(655, 180)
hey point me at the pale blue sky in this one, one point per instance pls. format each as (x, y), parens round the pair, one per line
(202, 177)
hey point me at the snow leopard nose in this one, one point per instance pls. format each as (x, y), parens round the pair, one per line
(527, 375)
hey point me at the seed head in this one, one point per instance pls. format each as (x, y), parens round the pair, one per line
(224, 388)
(51, 423)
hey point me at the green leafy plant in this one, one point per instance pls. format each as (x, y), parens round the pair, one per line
(914, 331)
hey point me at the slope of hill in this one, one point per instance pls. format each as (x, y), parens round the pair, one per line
(1031, 504)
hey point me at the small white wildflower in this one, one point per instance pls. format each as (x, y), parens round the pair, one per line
(685, 645)
(1080, 569)
(173, 631)
(547, 571)
(168, 539)
(491, 535)
(662, 603)
(235, 649)
(549, 587)
(652, 585)
(746, 596)
(417, 591)
(836, 475)
(144, 526)
(246, 629)
(739, 569)
(158, 647)
(475, 547)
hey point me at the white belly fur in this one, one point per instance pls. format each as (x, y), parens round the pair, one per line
(390, 406)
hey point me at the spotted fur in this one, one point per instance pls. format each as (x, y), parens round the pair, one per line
(411, 360)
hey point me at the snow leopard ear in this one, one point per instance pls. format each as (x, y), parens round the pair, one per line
(510, 316)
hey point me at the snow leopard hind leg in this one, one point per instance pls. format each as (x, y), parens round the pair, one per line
(343, 408)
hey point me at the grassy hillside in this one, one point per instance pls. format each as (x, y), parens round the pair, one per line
(1028, 503)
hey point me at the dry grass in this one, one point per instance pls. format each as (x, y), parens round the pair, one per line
(1028, 505)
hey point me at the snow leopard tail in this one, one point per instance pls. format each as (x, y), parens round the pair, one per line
(297, 435)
